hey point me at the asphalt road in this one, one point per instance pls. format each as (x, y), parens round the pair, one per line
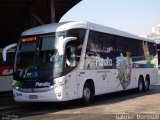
(121, 105)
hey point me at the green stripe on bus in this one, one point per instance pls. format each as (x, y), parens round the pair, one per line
(19, 84)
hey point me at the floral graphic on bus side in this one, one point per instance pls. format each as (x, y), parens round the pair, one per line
(149, 60)
(124, 66)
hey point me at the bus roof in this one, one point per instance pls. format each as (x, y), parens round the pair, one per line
(157, 41)
(57, 27)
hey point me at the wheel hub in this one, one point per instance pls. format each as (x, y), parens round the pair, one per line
(86, 93)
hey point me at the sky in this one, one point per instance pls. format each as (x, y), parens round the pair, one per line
(133, 16)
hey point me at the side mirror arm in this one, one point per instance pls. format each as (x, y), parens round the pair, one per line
(4, 52)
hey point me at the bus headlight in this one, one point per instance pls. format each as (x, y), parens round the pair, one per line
(60, 83)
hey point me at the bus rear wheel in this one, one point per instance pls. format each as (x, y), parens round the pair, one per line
(147, 84)
(88, 94)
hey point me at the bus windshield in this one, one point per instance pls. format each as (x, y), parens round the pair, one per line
(46, 57)
(38, 58)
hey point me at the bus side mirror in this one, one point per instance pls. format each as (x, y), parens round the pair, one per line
(4, 52)
(63, 43)
(67, 39)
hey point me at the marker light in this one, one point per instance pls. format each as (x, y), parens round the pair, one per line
(29, 39)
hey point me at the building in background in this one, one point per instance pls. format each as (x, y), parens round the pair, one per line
(155, 33)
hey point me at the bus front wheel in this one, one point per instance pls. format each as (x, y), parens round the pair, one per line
(88, 94)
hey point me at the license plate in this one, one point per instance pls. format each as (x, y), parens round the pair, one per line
(33, 97)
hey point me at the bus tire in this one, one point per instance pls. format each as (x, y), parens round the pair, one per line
(140, 85)
(88, 94)
(147, 83)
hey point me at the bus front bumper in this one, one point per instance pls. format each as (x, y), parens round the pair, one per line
(49, 96)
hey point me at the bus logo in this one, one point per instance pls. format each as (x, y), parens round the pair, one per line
(46, 84)
(6, 71)
(103, 62)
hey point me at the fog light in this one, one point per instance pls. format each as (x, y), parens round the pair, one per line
(51, 87)
(17, 88)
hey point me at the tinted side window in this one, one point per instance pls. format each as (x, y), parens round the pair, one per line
(131, 47)
(139, 48)
(80, 34)
(152, 49)
(73, 48)
(108, 43)
(121, 45)
(135, 47)
(94, 43)
(146, 49)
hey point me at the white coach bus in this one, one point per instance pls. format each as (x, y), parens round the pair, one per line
(72, 60)
(6, 71)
